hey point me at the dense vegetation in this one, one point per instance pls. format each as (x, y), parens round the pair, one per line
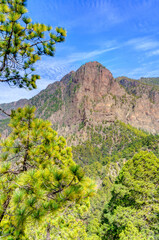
(133, 210)
(37, 175)
(103, 155)
(47, 102)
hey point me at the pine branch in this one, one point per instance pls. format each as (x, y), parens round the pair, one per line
(27, 147)
(5, 112)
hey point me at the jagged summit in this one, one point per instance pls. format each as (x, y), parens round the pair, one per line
(92, 77)
(94, 71)
(86, 70)
(92, 64)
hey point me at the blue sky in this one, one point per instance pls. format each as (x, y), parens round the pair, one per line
(123, 35)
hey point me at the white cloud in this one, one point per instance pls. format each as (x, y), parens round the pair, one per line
(79, 56)
(9, 94)
(144, 71)
(50, 71)
(143, 44)
(153, 53)
(93, 16)
(136, 72)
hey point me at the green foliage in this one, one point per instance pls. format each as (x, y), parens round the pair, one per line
(22, 43)
(102, 157)
(38, 175)
(132, 212)
(114, 143)
(64, 224)
(81, 125)
(47, 103)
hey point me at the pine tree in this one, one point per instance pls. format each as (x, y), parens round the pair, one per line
(133, 210)
(37, 174)
(66, 224)
(22, 43)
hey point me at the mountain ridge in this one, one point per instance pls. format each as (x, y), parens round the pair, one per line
(90, 96)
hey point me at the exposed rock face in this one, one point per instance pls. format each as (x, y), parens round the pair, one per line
(99, 98)
(91, 96)
(87, 97)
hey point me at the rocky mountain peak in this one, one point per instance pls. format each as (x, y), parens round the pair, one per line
(91, 96)
(94, 73)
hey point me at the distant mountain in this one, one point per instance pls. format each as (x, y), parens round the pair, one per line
(13, 105)
(149, 86)
(150, 81)
(91, 95)
(154, 81)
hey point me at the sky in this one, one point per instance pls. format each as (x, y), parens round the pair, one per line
(123, 35)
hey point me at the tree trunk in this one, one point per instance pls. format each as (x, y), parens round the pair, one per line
(5, 205)
(48, 232)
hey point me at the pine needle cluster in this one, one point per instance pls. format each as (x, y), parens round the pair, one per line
(37, 174)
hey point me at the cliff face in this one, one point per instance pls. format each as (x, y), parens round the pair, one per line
(87, 96)
(92, 96)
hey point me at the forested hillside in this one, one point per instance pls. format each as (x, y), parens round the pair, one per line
(92, 111)
(106, 150)
(103, 155)
(79, 160)
(132, 212)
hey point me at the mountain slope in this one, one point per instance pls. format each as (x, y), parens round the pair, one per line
(90, 96)
(95, 112)
(103, 155)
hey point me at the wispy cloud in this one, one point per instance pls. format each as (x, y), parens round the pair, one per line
(153, 53)
(143, 71)
(8, 94)
(92, 16)
(52, 68)
(50, 71)
(143, 44)
(79, 56)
